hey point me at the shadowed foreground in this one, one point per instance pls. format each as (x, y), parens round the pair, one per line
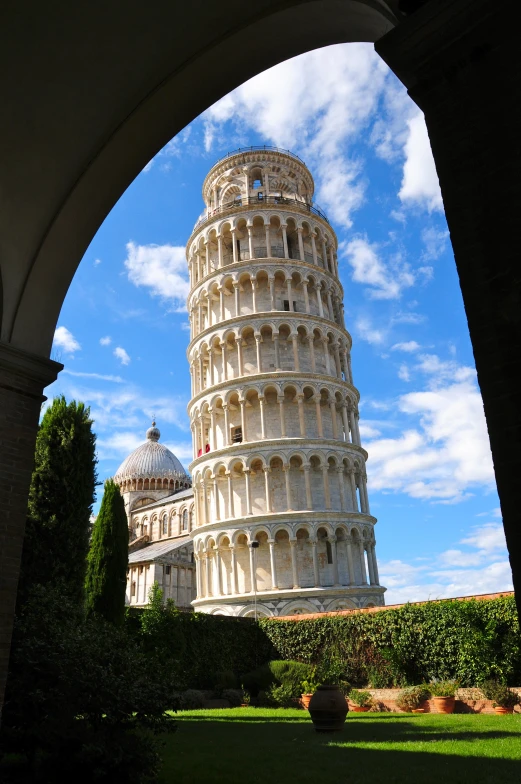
(277, 746)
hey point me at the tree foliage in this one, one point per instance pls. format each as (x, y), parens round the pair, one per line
(108, 558)
(60, 501)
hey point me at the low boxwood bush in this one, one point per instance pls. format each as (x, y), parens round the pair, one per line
(412, 697)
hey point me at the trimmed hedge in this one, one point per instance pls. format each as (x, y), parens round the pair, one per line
(469, 641)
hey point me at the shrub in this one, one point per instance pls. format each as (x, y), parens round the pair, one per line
(290, 674)
(361, 698)
(234, 696)
(500, 694)
(281, 696)
(191, 699)
(411, 698)
(443, 688)
(225, 679)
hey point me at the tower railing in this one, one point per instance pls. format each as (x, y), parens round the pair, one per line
(251, 201)
(258, 148)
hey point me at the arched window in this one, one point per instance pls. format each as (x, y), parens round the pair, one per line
(165, 524)
(184, 526)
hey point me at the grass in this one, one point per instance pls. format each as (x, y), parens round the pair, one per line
(278, 746)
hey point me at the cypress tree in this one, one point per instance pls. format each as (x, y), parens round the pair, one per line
(108, 558)
(60, 501)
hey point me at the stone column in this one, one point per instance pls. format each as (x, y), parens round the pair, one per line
(285, 241)
(319, 302)
(353, 426)
(325, 344)
(271, 543)
(267, 471)
(294, 564)
(350, 564)
(327, 494)
(242, 404)
(224, 351)
(363, 485)
(237, 288)
(219, 571)
(301, 245)
(280, 398)
(234, 245)
(320, 429)
(220, 289)
(294, 340)
(268, 241)
(231, 510)
(337, 360)
(198, 576)
(324, 255)
(262, 417)
(23, 376)
(253, 571)
(272, 293)
(226, 434)
(314, 248)
(307, 479)
(220, 249)
(206, 510)
(250, 242)
(286, 469)
(332, 260)
(248, 491)
(345, 422)
(208, 586)
(330, 305)
(216, 499)
(332, 406)
(301, 415)
(253, 294)
(316, 573)
(335, 560)
(211, 368)
(375, 565)
(238, 343)
(258, 341)
(306, 296)
(362, 562)
(353, 489)
(341, 486)
(290, 295)
(275, 338)
(370, 564)
(235, 587)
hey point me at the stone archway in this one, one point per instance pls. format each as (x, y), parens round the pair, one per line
(69, 153)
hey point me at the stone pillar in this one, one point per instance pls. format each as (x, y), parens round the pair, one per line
(316, 573)
(330, 306)
(253, 571)
(327, 494)
(286, 469)
(271, 543)
(248, 491)
(216, 499)
(375, 565)
(234, 245)
(208, 591)
(320, 429)
(231, 510)
(272, 293)
(370, 564)
(350, 564)
(301, 415)
(335, 560)
(250, 241)
(294, 564)
(258, 341)
(362, 561)
(353, 489)
(290, 295)
(345, 423)
(314, 248)
(242, 404)
(301, 245)
(353, 426)
(306, 295)
(307, 479)
(238, 343)
(285, 241)
(311, 341)
(235, 587)
(275, 338)
(237, 287)
(23, 376)
(324, 255)
(319, 302)
(337, 360)
(460, 63)
(280, 398)
(294, 340)
(220, 249)
(332, 406)
(253, 294)
(224, 351)
(217, 559)
(268, 241)
(341, 486)
(267, 471)
(325, 344)
(226, 434)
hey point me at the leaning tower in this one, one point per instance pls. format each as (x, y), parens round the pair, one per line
(282, 511)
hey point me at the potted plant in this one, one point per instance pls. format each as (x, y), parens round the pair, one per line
(410, 699)
(245, 698)
(443, 695)
(361, 701)
(503, 699)
(308, 687)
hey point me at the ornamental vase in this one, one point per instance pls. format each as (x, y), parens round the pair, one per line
(328, 709)
(500, 710)
(305, 699)
(359, 708)
(444, 704)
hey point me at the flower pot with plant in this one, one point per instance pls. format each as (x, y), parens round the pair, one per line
(308, 687)
(503, 699)
(443, 695)
(245, 698)
(410, 699)
(360, 701)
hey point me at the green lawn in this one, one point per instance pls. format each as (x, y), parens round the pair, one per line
(267, 746)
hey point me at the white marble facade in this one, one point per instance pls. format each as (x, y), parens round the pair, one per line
(278, 461)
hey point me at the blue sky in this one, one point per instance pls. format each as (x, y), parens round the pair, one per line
(122, 333)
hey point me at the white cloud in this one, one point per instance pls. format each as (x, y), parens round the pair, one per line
(408, 318)
(403, 373)
(368, 431)
(482, 568)
(66, 340)
(160, 268)
(97, 262)
(409, 347)
(444, 451)
(122, 355)
(367, 332)
(106, 341)
(385, 279)
(420, 186)
(98, 376)
(285, 107)
(435, 242)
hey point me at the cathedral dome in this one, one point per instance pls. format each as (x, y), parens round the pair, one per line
(151, 460)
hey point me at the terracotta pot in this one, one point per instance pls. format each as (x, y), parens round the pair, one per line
(328, 709)
(359, 708)
(418, 710)
(444, 704)
(501, 711)
(244, 705)
(305, 699)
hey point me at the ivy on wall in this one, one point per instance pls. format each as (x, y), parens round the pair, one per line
(469, 641)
